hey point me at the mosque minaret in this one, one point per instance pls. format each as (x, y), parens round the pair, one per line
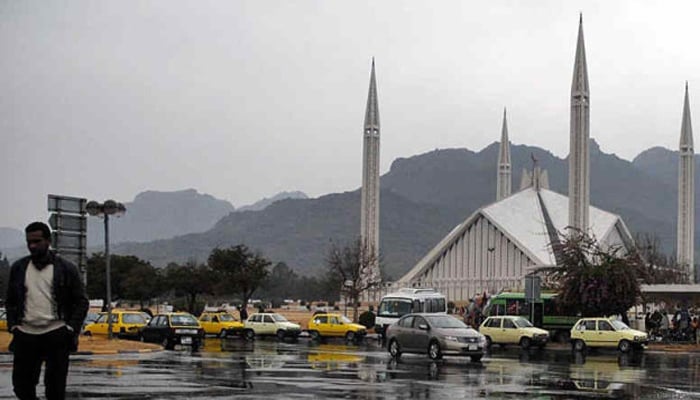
(686, 194)
(579, 163)
(504, 180)
(369, 212)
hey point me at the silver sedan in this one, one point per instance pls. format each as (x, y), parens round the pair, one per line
(436, 335)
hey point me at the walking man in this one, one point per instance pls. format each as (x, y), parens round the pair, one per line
(46, 305)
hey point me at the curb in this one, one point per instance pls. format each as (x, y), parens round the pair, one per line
(102, 352)
(113, 352)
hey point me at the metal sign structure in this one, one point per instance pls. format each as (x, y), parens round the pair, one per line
(532, 288)
(69, 223)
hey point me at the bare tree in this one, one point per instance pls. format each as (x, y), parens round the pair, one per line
(660, 268)
(355, 267)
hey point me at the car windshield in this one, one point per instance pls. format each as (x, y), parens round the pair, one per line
(619, 325)
(394, 307)
(279, 318)
(183, 320)
(445, 321)
(226, 317)
(522, 323)
(345, 319)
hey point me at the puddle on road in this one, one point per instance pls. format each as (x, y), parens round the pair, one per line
(289, 370)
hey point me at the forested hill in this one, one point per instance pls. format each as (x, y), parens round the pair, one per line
(423, 197)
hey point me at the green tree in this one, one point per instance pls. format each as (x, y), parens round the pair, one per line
(593, 280)
(142, 283)
(350, 270)
(190, 280)
(120, 270)
(282, 283)
(239, 270)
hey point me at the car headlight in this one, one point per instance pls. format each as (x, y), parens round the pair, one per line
(452, 338)
(639, 338)
(482, 339)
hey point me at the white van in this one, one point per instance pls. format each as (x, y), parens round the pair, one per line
(408, 300)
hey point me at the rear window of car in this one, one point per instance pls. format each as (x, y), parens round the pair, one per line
(445, 321)
(493, 323)
(183, 320)
(406, 322)
(133, 319)
(227, 317)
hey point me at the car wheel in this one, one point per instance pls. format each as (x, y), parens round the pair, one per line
(280, 334)
(525, 343)
(625, 346)
(350, 336)
(87, 333)
(222, 334)
(394, 348)
(489, 342)
(249, 334)
(476, 358)
(168, 344)
(315, 335)
(579, 345)
(434, 351)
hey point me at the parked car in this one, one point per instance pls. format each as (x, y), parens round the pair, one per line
(510, 329)
(270, 324)
(174, 328)
(335, 325)
(124, 324)
(606, 332)
(220, 323)
(436, 335)
(90, 317)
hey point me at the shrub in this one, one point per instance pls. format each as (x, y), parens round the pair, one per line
(367, 319)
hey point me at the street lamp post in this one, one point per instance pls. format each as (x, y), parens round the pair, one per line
(109, 207)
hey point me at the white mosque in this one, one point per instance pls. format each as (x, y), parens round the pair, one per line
(500, 243)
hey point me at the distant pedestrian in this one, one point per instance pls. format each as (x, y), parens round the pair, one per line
(46, 305)
(664, 325)
(243, 312)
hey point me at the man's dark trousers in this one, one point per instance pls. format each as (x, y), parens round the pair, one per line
(30, 351)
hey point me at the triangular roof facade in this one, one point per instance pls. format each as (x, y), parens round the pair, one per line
(532, 219)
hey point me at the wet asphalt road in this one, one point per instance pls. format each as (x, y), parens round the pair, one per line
(266, 369)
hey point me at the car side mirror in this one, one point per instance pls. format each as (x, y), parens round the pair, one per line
(423, 327)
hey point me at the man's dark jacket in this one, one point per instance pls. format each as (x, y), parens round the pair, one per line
(71, 301)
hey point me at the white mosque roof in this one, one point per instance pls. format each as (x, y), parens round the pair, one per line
(523, 220)
(521, 216)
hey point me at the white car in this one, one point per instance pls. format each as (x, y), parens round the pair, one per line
(270, 324)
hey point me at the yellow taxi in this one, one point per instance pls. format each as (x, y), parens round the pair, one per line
(220, 323)
(3, 320)
(511, 329)
(124, 324)
(606, 332)
(335, 325)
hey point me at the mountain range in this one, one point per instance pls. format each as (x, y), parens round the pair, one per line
(422, 198)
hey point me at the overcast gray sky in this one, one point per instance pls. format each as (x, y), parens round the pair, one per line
(243, 99)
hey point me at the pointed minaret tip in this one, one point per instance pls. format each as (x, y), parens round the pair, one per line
(580, 18)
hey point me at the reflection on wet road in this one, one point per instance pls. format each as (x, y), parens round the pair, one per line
(271, 370)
